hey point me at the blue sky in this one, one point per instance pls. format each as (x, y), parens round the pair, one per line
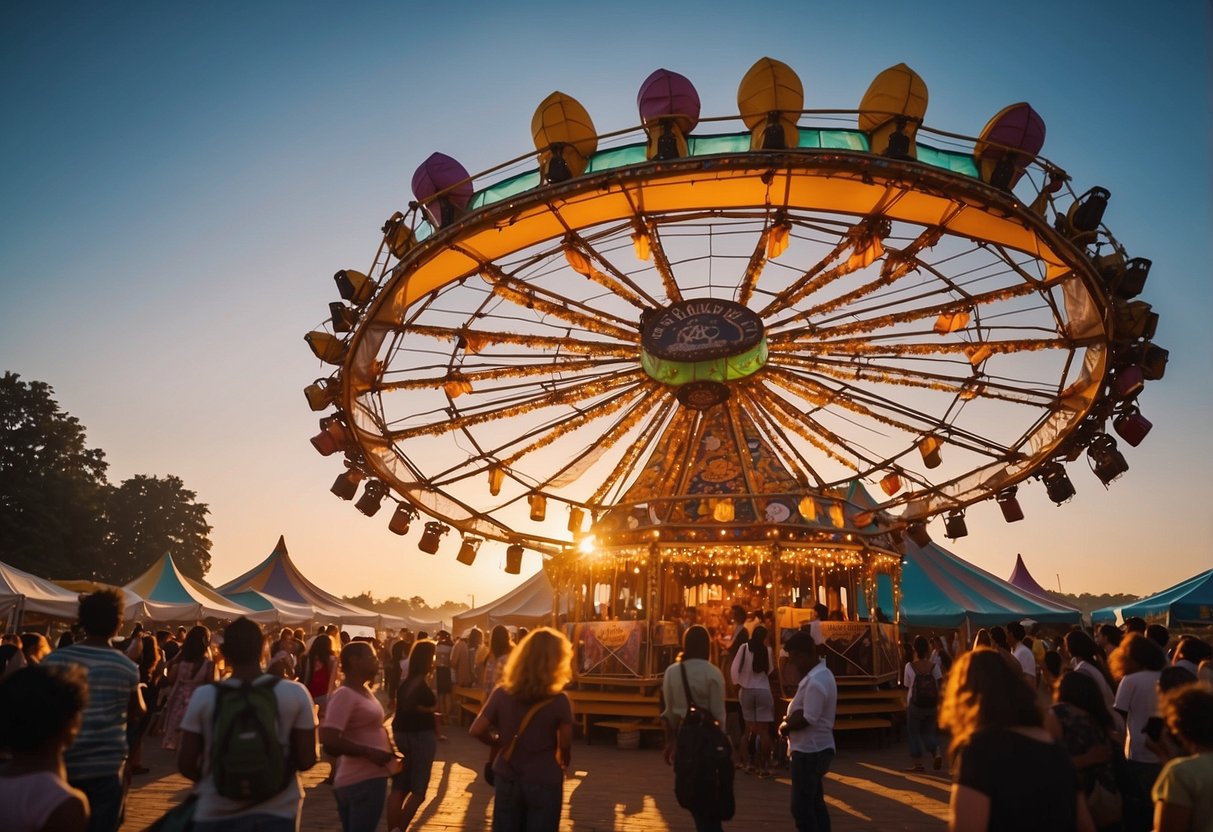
(181, 181)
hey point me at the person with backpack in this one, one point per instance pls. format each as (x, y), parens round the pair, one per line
(695, 744)
(244, 741)
(922, 680)
(809, 729)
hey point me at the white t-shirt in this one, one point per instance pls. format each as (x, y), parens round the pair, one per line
(295, 711)
(908, 676)
(1023, 654)
(743, 672)
(817, 697)
(1137, 697)
(30, 799)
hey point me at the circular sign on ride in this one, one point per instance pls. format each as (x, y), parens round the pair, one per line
(701, 329)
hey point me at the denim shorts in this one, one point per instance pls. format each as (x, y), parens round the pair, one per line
(419, 749)
(757, 705)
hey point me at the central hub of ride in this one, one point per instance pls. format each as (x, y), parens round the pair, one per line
(699, 345)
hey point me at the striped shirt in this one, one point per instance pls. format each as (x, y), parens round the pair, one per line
(100, 746)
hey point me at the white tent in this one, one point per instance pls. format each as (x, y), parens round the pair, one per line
(133, 607)
(21, 593)
(527, 605)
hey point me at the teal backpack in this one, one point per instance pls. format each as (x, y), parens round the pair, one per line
(247, 761)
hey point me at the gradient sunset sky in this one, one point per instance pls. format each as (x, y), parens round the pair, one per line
(181, 180)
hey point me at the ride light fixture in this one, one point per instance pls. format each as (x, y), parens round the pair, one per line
(576, 519)
(401, 518)
(326, 346)
(468, 550)
(1128, 382)
(372, 498)
(513, 559)
(954, 525)
(343, 318)
(1057, 482)
(1131, 425)
(346, 485)
(1009, 504)
(1107, 462)
(539, 507)
(332, 437)
(431, 536)
(354, 286)
(918, 533)
(320, 394)
(929, 448)
(1087, 212)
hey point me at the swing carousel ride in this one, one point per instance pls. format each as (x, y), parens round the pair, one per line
(667, 359)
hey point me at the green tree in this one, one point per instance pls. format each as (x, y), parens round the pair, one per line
(52, 485)
(147, 518)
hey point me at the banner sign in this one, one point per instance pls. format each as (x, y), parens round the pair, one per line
(607, 644)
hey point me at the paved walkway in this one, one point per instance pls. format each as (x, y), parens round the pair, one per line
(615, 790)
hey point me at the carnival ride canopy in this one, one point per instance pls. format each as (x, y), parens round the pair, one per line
(527, 605)
(21, 592)
(939, 589)
(1188, 602)
(169, 595)
(277, 578)
(1022, 578)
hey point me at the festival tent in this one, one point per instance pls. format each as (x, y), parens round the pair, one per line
(277, 577)
(939, 589)
(1188, 602)
(527, 605)
(133, 607)
(274, 610)
(171, 596)
(21, 593)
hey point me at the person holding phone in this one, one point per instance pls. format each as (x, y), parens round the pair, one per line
(1138, 662)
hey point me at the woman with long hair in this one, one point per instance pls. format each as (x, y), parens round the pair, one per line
(415, 732)
(191, 669)
(1085, 656)
(1137, 663)
(993, 718)
(150, 675)
(494, 664)
(1083, 724)
(751, 672)
(530, 721)
(320, 670)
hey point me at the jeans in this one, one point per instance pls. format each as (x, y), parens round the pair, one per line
(360, 805)
(808, 796)
(105, 800)
(248, 823)
(526, 807)
(921, 726)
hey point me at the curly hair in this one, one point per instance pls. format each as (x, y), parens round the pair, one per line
(540, 666)
(1189, 713)
(100, 613)
(983, 691)
(39, 703)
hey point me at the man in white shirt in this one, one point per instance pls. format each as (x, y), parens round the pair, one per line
(1022, 652)
(296, 732)
(809, 728)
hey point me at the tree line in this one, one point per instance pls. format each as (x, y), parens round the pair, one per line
(61, 518)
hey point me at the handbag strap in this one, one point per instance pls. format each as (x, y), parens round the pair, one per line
(686, 686)
(522, 726)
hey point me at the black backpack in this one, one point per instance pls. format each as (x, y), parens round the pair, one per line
(925, 691)
(703, 762)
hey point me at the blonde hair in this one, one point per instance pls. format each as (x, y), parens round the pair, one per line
(984, 692)
(540, 666)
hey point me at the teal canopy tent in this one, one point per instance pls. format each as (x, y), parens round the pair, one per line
(939, 589)
(1188, 602)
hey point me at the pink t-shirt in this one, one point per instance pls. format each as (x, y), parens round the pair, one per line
(360, 719)
(29, 799)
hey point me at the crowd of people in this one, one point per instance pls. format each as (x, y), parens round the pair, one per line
(1108, 729)
(1104, 729)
